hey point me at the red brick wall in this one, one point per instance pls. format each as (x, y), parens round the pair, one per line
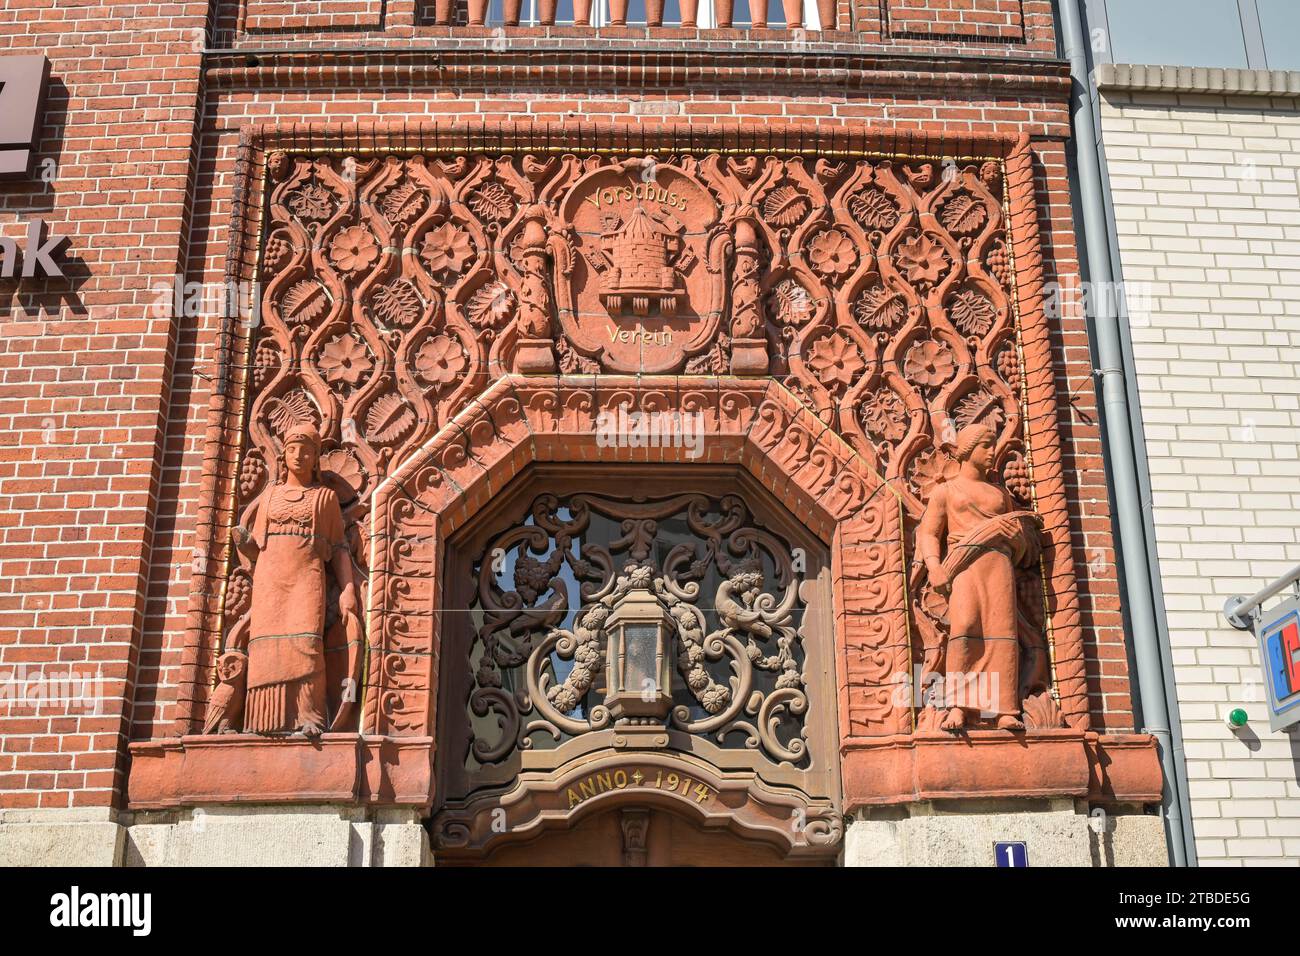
(897, 26)
(991, 20)
(84, 378)
(103, 399)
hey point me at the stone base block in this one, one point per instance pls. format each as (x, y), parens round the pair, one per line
(1056, 833)
(215, 836)
(61, 837)
(277, 836)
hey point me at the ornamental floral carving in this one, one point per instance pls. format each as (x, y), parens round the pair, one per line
(446, 249)
(304, 302)
(874, 210)
(931, 470)
(403, 203)
(790, 303)
(344, 360)
(922, 259)
(929, 364)
(972, 312)
(354, 249)
(440, 360)
(877, 289)
(963, 213)
(878, 309)
(836, 361)
(785, 206)
(832, 254)
(312, 203)
(493, 203)
(491, 306)
(397, 304)
(884, 416)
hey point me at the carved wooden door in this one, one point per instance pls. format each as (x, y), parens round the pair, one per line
(658, 652)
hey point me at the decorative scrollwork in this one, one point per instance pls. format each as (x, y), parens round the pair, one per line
(725, 592)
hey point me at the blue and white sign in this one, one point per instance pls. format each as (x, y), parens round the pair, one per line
(1278, 631)
(1011, 854)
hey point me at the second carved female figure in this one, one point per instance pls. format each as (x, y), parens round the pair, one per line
(971, 540)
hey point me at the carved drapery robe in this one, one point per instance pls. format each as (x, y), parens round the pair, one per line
(983, 648)
(296, 532)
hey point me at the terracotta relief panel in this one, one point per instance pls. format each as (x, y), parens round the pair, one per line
(878, 291)
(862, 331)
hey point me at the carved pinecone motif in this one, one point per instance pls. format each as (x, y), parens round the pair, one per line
(252, 472)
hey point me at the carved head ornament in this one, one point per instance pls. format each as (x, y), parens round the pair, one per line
(304, 432)
(970, 437)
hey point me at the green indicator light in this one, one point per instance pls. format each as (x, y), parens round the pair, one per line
(1237, 718)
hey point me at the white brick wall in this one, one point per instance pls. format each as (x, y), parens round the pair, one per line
(1207, 203)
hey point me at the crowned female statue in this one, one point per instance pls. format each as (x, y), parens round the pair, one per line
(292, 532)
(971, 539)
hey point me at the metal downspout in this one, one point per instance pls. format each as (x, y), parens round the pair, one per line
(1118, 433)
(1181, 791)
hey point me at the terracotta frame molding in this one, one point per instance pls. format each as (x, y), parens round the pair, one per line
(755, 423)
(522, 419)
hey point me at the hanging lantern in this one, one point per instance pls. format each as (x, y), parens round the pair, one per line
(639, 689)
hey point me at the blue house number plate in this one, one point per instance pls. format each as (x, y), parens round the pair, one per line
(1011, 854)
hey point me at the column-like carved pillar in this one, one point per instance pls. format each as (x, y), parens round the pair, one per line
(748, 344)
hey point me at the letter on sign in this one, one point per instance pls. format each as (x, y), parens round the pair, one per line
(23, 80)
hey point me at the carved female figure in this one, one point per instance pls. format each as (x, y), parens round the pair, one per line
(292, 532)
(971, 539)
